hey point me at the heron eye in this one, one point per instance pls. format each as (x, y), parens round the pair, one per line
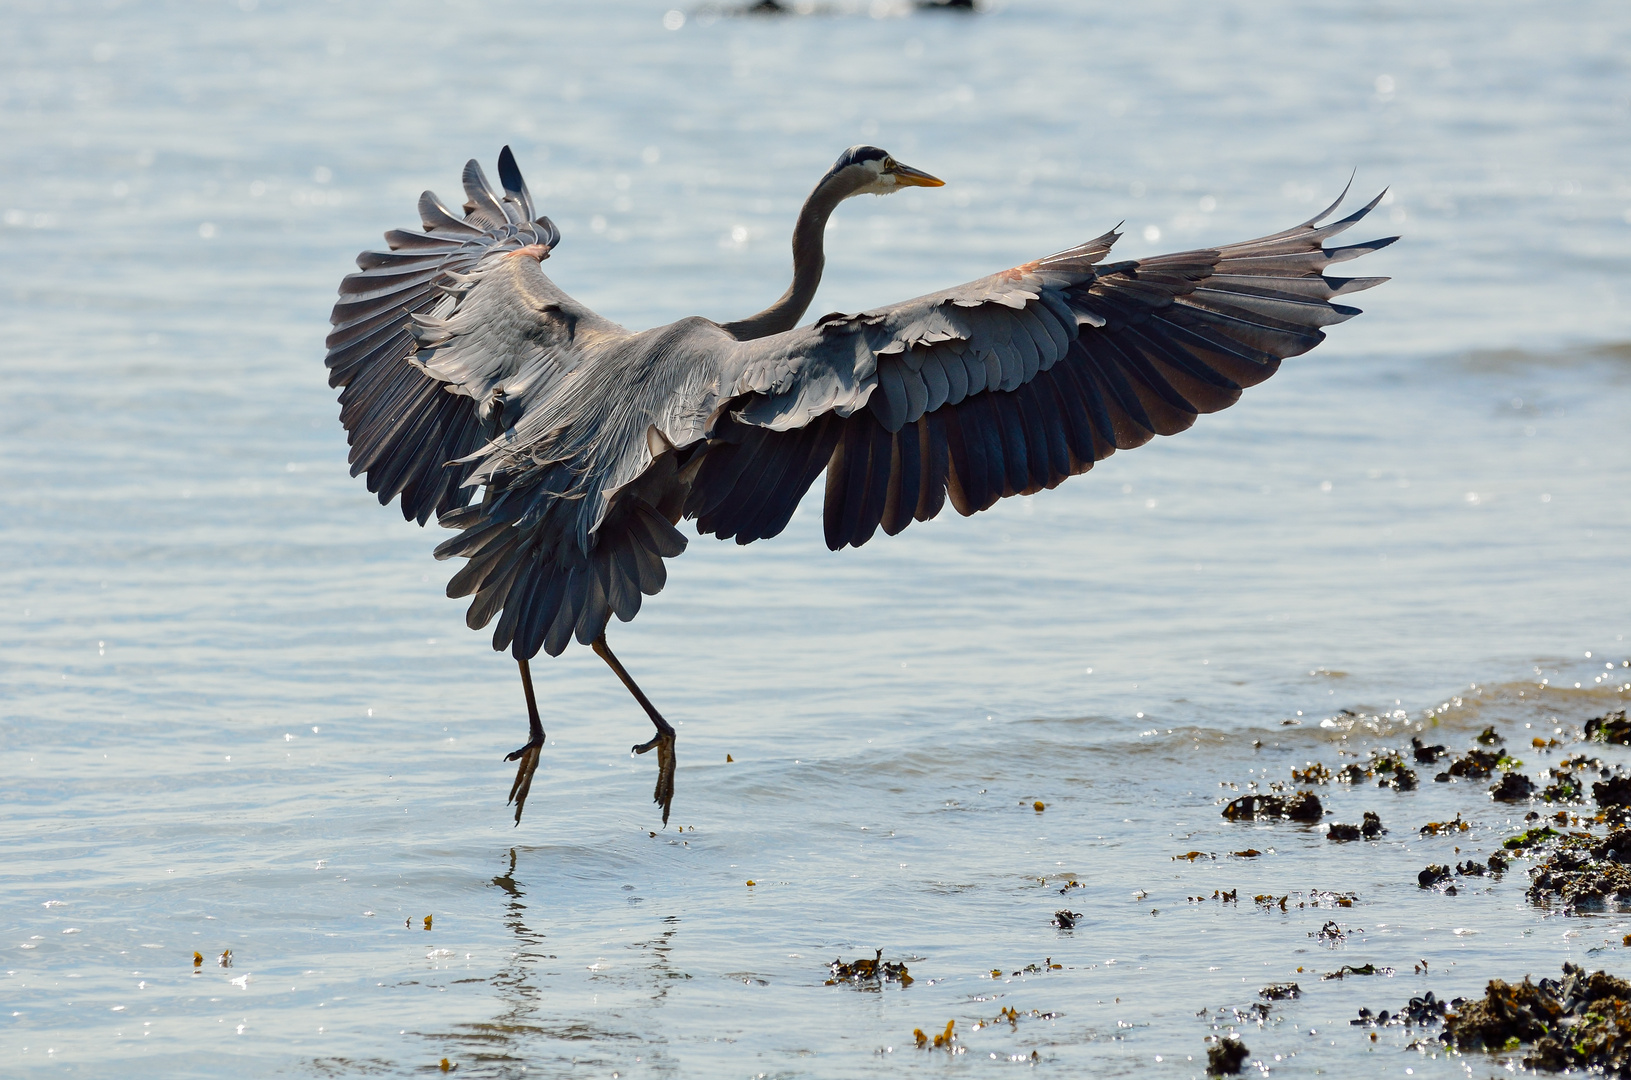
(888, 164)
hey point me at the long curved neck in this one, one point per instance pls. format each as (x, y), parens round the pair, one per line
(808, 260)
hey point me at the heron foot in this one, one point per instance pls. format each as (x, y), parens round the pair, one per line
(528, 757)
(663, 743)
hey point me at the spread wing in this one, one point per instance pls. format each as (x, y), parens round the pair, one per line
(404, 425)
(1009, 384)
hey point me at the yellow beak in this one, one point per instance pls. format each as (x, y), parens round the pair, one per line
(906, 176)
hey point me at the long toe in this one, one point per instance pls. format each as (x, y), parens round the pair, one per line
(528, 756)
(663, 796)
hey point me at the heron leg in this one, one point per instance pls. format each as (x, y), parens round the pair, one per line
(528, 754)
(662, 742)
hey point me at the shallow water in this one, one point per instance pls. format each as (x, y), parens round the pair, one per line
(239, 714)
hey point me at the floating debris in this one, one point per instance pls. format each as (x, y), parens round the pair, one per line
(1191, 856)
(225, 959)
(1434, 828)
(875, 971)
(198, 959)
(1489, 737)
(1303, 807)
(1582, 1022)
(427, 922)
(1348, 969)
(1066, 920)
(1012, 1016)
(1230, 896)
(1280, 991)
(1226, 1055)
(944, 1040)
(1313, 773)
(1039, 806)
(1331, 933)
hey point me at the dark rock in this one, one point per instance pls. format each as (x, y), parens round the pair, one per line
(1399, 779)
(1226, 1056)
(1433, 875)
(1513, 787)
(1426, 755)
(1421, 1012)
(1615, 791)
(1335, 831)
(1475, 764)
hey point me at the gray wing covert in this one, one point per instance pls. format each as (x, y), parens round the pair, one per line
(1009, 384)
(403, 426)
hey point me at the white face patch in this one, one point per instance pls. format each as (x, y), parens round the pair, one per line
(882, 182)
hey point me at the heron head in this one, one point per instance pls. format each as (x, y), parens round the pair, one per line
(867, 170)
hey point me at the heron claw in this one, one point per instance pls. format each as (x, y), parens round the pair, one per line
(528, 757)
(663, 743)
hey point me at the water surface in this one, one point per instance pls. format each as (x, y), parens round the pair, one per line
(238, 713)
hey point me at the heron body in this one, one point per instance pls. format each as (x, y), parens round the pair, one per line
(566, 449)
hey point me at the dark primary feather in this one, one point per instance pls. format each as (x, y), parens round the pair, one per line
(404, 427)
(1012, 383)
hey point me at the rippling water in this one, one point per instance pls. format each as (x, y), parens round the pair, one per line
(238, 713)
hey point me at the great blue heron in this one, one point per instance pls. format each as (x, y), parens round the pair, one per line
(464, 367)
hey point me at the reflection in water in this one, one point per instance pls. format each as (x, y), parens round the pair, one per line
(542, 1021)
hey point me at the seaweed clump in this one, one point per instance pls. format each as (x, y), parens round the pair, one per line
(1580, 1022)
(875, 971)
(1584, 872)
(1370, 830)
(1475, 764)
(1304, 806)
(1609, 728)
